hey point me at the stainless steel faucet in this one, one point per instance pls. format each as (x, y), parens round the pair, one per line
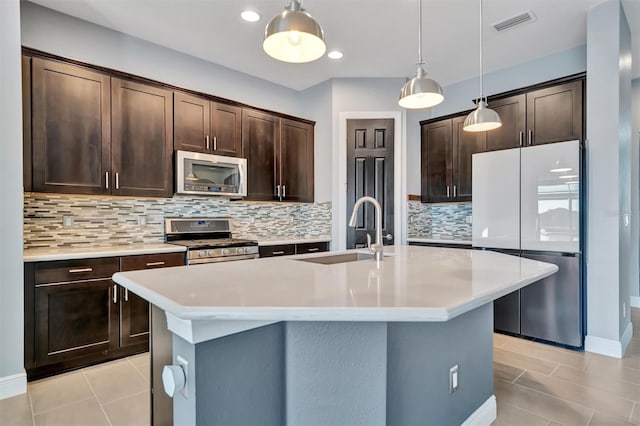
(377, 248)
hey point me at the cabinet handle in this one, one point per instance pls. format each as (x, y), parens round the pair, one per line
(448, 193)
(106, 180)
(530, 136)
(284, 191)
(75, 271)
(126, 295)
(215, 143)
(117, 180)
(206, 141)
(311, 250)
(521, 137)
(155, 263)
(278, 191)
(455, 191)
(115, 293)
(276, 253)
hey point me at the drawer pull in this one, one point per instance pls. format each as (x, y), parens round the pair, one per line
(75, 271)
(311, 250)
(276, 253)
(155, 263)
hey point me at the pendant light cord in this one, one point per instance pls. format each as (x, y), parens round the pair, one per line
(481, 68)
(420, 62)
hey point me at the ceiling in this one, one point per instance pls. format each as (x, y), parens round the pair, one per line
(379, 38)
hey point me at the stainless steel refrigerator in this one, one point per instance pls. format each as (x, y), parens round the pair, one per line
(528, 202)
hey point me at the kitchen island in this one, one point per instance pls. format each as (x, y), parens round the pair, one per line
(316, 339)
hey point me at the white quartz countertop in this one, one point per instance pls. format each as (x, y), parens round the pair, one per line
(437, 241)
(412, 283)
(282, 241)
(67, 253)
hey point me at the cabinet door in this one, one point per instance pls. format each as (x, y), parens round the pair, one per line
(70, 128)
(134, 310)
(142, 139)
(226, 129)
(26, 124)
(191, 123)
(465, 144)
(436, 161)
(75, 319)
(512, 111)
(296, 161)
(554, 114)
(260, 136)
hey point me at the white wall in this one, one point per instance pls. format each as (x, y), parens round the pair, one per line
(634, 255)
(12, 377)
(608, 168)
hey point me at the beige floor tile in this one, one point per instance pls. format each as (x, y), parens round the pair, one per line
(548, 353)
(552, 423)
(140, 359)
(603, 419)
(508, 415)
(635, 416)
(57, 391)
(130, 411)
(505, 372)
(613, 367)
(589, 397)
(143, 366)
(599, 380)
(16, 411)
(83, 413)
(563, 412)
(525, 362)
(115, 380)
(499, 339)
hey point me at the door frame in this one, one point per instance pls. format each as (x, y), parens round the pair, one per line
(339, 181)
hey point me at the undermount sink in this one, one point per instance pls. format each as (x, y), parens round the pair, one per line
(339, 258)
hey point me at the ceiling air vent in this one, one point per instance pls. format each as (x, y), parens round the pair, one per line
(514, 21)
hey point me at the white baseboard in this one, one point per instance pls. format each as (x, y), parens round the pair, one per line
(13, 385)
(635, 301)
(612, 348)
(484, 415)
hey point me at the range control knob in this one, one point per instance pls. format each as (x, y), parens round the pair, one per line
(211, 253)
(240, 250)
(202, 253)
(225, 252)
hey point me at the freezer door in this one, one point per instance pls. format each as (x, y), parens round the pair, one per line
(550, 197)
(551, 309)
(496, 199)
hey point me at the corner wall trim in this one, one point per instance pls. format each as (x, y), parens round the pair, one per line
(607, 347)
(13, 385)
(484, 415)
(635, 301)
(625, 341)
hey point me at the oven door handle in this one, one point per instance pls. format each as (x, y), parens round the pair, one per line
(221, 259)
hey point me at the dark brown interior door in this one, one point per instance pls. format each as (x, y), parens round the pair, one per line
(370, 172)
(465, 144)
(261, 134)
(71, 128)
(512, 111)
(226, 129)
(190, 123)
(296, 161)
(142, 139)
(437, 161)
(554, 114)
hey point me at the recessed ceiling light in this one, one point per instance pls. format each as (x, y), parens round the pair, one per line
(250, 15)
(335, 54)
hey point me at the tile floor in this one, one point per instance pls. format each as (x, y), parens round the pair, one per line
(535, 384)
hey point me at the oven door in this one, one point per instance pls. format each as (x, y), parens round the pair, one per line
(221, 259)
(205, 174)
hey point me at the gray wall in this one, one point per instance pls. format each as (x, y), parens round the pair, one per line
(608, 162)
(11, 278)
(634, 255)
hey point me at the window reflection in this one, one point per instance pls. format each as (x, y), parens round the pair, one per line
(558, 211)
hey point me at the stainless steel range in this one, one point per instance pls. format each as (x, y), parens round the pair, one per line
(208, 240)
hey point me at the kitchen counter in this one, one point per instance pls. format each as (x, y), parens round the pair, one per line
(438, 241)
(67, 253)
(283, 241)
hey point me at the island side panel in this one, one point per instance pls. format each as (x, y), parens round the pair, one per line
(336, 373)
(419, 358)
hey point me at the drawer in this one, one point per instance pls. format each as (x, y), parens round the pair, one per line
(75, 270)
(150, 261)
(312, 247)
(281, 250)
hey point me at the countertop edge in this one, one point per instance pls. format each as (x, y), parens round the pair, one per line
(438, 240)
(99, 252)
(286, 241)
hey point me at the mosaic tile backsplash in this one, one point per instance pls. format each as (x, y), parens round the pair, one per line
(107, 221)
(447, 221)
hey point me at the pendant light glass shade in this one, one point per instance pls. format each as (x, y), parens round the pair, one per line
(294, 36)
(482, 118)
(420, 91)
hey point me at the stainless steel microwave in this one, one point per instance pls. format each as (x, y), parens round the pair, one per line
(206, 174)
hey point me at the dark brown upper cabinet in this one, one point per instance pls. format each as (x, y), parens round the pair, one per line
(280, 158)
(26, 124)
(142, 144)
(554, 114)
(205, 126)
(446, 160)
(512, 111)
(71, 128)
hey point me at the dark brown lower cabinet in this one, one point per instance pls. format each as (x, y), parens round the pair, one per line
(289, 249)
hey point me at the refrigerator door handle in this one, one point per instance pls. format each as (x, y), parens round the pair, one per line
(521, 137)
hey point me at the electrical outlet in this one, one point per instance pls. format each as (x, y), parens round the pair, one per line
(469, 219)
(253, 219)
(453, 379)
(142, 220)
(67, 221)
(185, 366)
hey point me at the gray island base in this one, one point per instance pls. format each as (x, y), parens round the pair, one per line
(342, 373)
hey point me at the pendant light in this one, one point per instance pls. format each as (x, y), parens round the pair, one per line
(294, 36)
(420, 91)
(482, 118)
